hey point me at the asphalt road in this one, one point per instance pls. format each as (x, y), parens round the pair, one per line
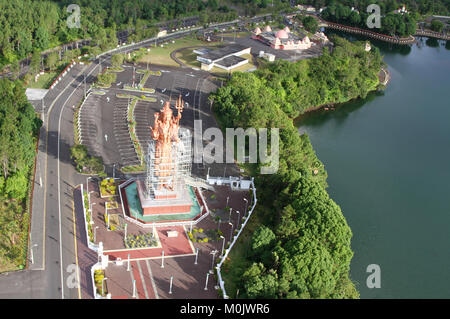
(53, 240)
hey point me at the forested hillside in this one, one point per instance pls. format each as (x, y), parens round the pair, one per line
(18, 131)
(29, 25)
(298, 242)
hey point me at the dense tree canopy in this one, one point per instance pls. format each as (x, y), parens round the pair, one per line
(301, 249)
(423, 7)
(29, 25)
(18, 129)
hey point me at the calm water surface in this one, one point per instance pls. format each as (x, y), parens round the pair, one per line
(388, 162)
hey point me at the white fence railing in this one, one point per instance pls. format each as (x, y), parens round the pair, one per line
(235, 238)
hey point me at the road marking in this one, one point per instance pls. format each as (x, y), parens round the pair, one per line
(143, 279)
(59, 179)
(151, 279)
(46, 165)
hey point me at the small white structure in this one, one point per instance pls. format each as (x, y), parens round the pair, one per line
(226, 58)
(161, 33)
(236, 183)
(268, 56)
(172, 233)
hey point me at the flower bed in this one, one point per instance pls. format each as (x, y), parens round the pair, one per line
(108, 187)
(112, 205)
(197, 235)
(99, 275)
(141, 241)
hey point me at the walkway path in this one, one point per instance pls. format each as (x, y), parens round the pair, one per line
(172, 246)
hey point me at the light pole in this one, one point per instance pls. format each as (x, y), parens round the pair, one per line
(228, 199)
(134, 288)
(87, 188)
(128, 265)
(90, 209)
(114, 171)
(125, 237)
(223, 244)
(171, 281)
(246, 203)
(107, 218)
(239, 218)
(231, 232)
(213, 253)
(103, 288)
(206, 284)
(196, 257)
(95, 234)
(229, 217)
(162, 260)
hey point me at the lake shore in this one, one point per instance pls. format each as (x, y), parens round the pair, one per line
(384, 78)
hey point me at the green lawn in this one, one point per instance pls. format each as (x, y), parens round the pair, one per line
(161, 56)
(44, 81)
(188, 57)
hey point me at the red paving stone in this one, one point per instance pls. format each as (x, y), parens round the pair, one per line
(147, 279)
(188, 279)
(172, 246)
(137, 277)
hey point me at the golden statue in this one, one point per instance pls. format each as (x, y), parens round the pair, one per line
(165, 132)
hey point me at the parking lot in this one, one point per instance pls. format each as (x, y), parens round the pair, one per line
(103, 117)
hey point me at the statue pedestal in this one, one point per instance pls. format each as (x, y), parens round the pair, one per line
(164, 202)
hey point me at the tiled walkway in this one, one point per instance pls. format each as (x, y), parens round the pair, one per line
(172, 246)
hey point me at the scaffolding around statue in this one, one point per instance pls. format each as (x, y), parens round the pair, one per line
(165, 174)
(168, 159)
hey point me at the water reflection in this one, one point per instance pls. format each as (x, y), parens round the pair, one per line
(339, 113)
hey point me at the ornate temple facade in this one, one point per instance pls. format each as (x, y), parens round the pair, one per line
(282, 39)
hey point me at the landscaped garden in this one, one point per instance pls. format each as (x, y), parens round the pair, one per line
(141, 241)
(161, 54)
(108, 187)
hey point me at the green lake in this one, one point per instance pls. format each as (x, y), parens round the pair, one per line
(388, 162)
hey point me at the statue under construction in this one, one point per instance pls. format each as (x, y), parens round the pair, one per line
(168, 161)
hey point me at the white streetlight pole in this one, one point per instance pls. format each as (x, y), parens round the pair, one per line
(229, 217)
(196, 257)
(223, 244)
(206, 284)
(213, 253)
(87, 190)
(107, 217)
(126, 225)
(246, 204)
(90, 209)
(239, 218)
(95, 234)
(134, 288)
(171, 281)
(231, 232)
(228, 198)
(162, 260)
(114, 171)
(103, 289)
(128, 265)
